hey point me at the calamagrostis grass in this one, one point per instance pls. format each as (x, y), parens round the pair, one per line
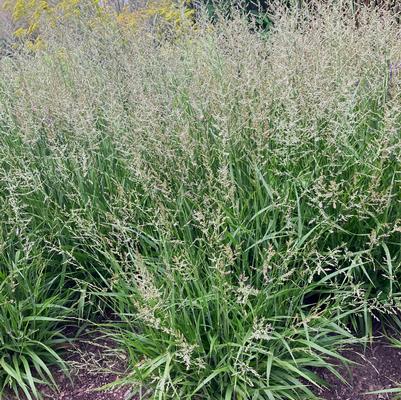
(232, 197)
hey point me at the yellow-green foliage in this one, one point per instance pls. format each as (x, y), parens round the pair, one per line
(32, 16)
(169, 13)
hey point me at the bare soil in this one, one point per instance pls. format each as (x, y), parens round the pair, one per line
(377, 368)
(95, 363)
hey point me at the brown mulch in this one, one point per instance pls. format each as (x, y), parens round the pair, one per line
(377, 368)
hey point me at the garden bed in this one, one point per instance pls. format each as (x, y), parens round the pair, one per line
(377, 368)
(93, 365)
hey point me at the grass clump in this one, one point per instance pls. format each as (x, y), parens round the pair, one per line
(231, 198)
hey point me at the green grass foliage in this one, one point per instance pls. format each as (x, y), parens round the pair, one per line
(229, 200)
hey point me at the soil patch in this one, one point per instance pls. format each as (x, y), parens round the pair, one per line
(377, 368)
(93, 362)
(96, 362)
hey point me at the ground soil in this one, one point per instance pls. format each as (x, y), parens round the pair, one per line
(377, 368)
(94, 363)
